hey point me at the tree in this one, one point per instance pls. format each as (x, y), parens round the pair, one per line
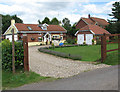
(6, 21)
(114, 25)
(39, 22)
(54, 21)
(72, 31)
(116, 11)
(66, 24)
(46, 20)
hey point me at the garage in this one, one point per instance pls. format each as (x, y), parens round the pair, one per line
(10, 37)
(80, 39)
(88, 33)
(89, 38)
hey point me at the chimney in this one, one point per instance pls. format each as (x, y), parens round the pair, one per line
(88, 15)
(12, 22)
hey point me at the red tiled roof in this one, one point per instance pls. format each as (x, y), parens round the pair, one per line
(93, 20)
(35, 27)
(89, 21)
(100, 21)
(96, 29)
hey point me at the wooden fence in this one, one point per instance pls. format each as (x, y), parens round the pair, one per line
(104, 45)
(26, 57)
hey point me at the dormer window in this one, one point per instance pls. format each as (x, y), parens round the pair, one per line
(44, 26)
(29, 28)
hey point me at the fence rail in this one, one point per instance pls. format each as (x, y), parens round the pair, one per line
(104, 45)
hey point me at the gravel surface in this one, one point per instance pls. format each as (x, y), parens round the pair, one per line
(53, 66)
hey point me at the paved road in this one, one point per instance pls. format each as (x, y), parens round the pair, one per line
(99, 79)
(53, 66)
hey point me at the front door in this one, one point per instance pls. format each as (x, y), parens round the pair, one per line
(80, 38)
(89, 38)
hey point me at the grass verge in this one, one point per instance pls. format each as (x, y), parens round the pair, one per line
(112, 59)
(10, 80)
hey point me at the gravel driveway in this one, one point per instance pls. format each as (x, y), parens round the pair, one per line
(53, 66)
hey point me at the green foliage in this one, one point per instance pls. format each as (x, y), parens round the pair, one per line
(7, 55)
(88, 53)
(66, 24)
(65, 55)
(39, 22)
(112, 59)
(114, 25)
(116, 11)
(54, 21)
(10, 80)
(46, 20)
(53, 46)
(98, 42)
(72, 31)
(70, 41)
(6, 21)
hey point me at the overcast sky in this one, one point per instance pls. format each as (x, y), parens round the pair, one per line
(32, 10)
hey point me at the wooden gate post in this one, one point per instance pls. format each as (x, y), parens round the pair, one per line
(103, 47)
(26, 60)
(118, 47)
(13, 52)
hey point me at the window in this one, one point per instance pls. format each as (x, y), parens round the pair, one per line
(29, 28)
(40, 34)
(44, 28)
(39, 39)
(56, 36)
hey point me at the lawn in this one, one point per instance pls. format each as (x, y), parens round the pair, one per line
(88, 53)
(10, 80)
(112, 59)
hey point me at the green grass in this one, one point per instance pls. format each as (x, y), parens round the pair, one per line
(88, 53)
(10, 80)
(112, 59)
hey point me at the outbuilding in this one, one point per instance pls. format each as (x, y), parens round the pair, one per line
(89, 33)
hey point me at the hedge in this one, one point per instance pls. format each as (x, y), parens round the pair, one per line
(7, 55)
(65, 55)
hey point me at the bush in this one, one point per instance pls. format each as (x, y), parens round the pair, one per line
(7, 55)
(71, 41)
(98, 42)
(65, 55)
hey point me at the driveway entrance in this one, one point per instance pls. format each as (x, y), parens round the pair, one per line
(53, 66)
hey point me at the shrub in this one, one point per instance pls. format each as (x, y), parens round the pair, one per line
(53, 46)
(7, 55)
(65, 55)
(98, 42)
(71, 41)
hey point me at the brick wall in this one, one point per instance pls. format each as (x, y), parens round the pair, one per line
(80, 24)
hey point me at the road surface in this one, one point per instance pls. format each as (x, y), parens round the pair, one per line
(98, 79)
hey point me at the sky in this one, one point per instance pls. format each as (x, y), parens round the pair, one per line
(30, 11)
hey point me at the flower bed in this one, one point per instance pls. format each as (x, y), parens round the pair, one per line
(65, 55)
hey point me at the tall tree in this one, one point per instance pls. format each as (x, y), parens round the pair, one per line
(114, 25)
(6, 21)
(72, 31)
(116, 11)
(54, 21)
(66, 24)
(46, 20)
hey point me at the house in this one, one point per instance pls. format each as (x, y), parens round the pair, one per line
(36, 33)
(90, 28)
